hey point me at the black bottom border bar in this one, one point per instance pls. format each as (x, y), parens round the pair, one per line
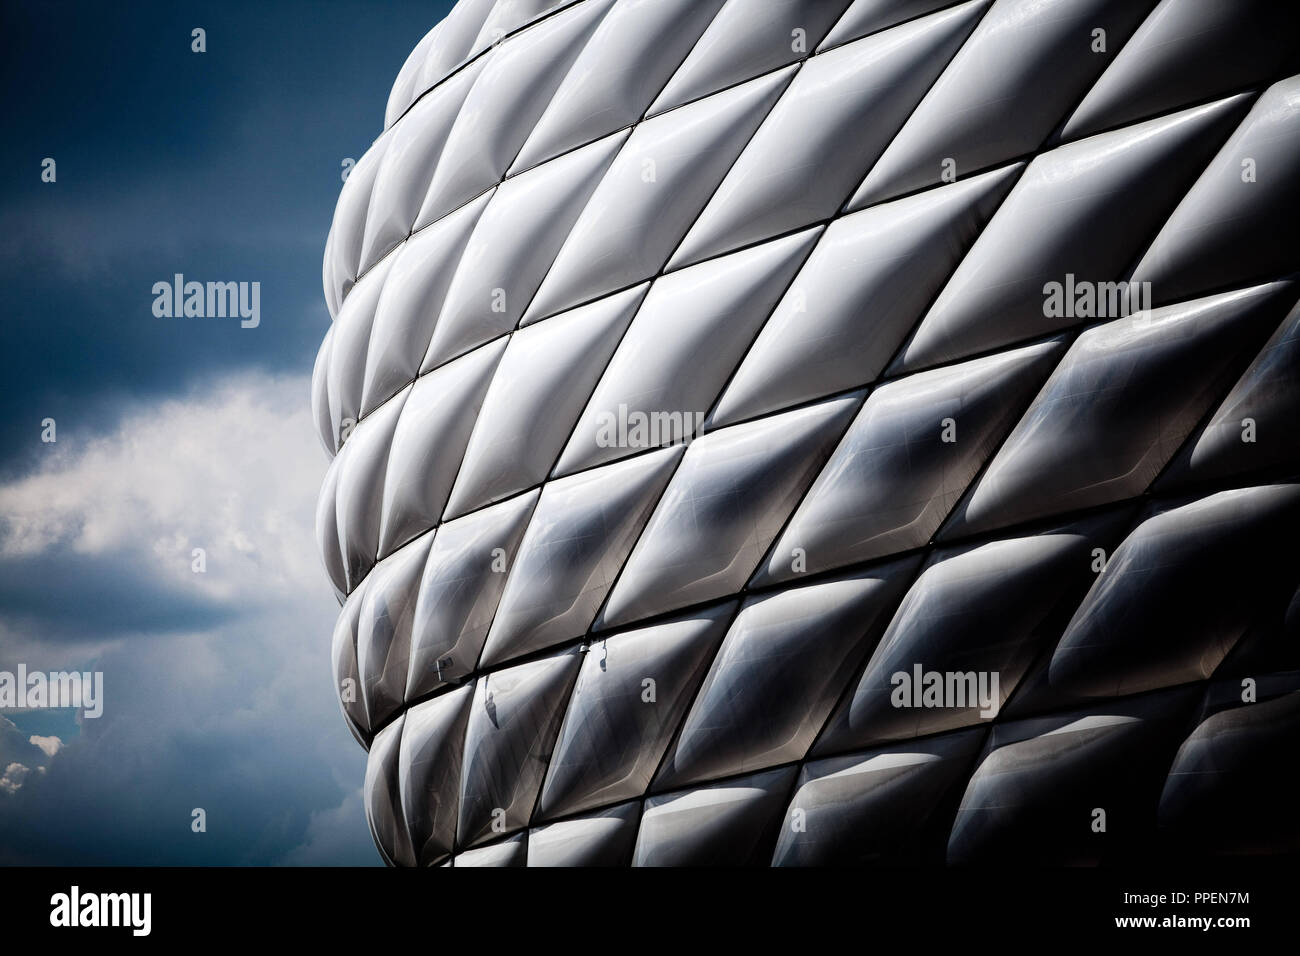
(441, 906)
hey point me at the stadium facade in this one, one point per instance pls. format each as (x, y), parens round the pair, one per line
(807, 432)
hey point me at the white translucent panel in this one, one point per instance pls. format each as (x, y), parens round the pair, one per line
(347, 679)
(384, 629)
(513, 721)
(320, 396)
(686, 339)
(598, 839)
(1241, 220)
(343, 248)
(512, 851)
(507, 16)
(464, 576)
(611, 83)
(631, 695)
(382, 798)
(652, 192)
(725, 824)
(428, 771)
(362, 466)
(414, 146)
(869, 16)
(1119, 186)
(403, 93)
(1080, 444)
(544, 378)
(509, 94)
(1034, 54)
(905, 461)
(333, 295)
(838, 115)
(727, 501)
(441, 50)
(575, 545)
(746, 38)
(327, 529)
(413, 293)
(512, 247)
(457, 41)
(347, 366)
(782, 666)
(862, 290)
(429, 443)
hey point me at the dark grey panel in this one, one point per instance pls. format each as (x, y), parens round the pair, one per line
(1037, 55)
(906, 460)
(1257, 425)
(629, 700)
(1091, 207)
(1079, 445)
(882, 807)
(782, 666)
(605, 838)
(428, 771)
(1180, 592)
(732, 823)
(965, 635)
(1185, 51)
(1241, 220)
(1071, 790)
(513, 721)
(1232, 788)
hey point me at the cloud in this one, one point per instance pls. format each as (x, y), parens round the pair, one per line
(224, 166)
(231, 470)
(13, 777)
(329, 840)
(20, 754)
(217, 686)
(49, 745)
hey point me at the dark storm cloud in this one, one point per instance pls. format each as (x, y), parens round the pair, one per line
(223, 166)
(72, 597)
(172, 739)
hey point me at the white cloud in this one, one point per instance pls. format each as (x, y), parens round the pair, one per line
(233, 470)
(13, 777)
(51, 745)
(233, 712)
(20, 754)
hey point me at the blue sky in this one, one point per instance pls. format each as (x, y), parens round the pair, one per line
(175, 433)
